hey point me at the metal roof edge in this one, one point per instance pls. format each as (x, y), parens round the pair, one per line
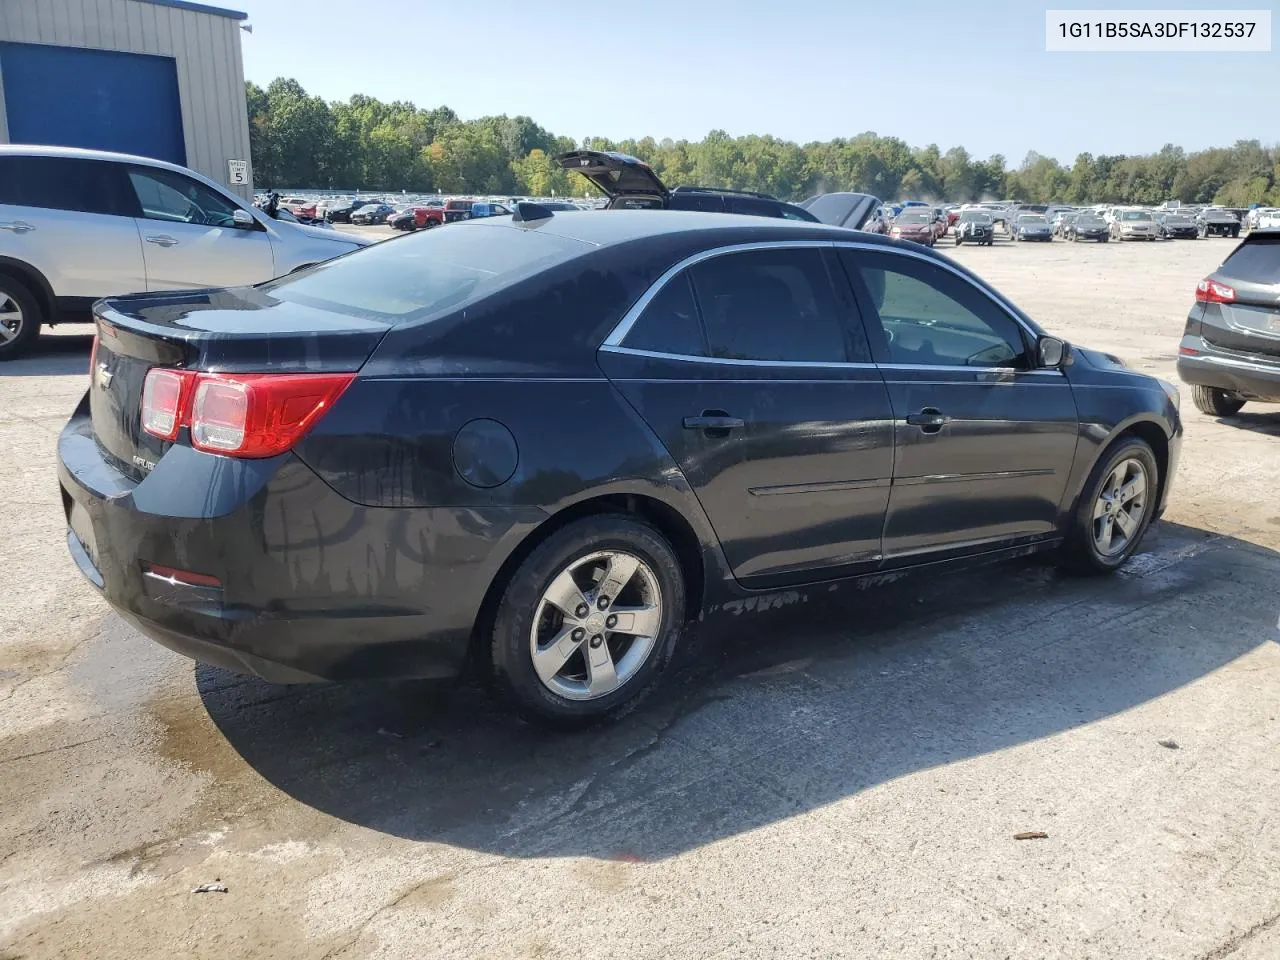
(199, 8)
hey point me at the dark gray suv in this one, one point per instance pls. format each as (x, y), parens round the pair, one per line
(1230, 351)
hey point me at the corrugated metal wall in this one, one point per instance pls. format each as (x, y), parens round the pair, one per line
(206, 48)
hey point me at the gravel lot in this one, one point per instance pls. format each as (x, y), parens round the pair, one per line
(837, 778)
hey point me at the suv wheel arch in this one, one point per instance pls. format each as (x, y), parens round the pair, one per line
(36, 282)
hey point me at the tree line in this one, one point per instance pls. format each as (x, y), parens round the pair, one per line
(301, 141)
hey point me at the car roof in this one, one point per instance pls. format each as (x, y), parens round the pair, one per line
(34, 150)
(608, 227)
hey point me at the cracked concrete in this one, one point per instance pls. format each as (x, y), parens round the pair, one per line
(838, 777)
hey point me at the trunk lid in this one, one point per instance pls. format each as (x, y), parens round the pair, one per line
(241, 330)
(614, 174)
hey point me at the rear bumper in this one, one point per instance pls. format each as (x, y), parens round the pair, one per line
(1256, 379)
(309, 585)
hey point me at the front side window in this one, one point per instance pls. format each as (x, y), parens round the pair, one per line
(165, 195)
(932, 317)
(770, 305)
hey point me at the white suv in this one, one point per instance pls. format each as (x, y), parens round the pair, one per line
(78, 225)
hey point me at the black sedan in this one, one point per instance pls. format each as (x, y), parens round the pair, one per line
(544, 443)
(1174, 226)
(975, 226)
(372, 213)
(1088, 226)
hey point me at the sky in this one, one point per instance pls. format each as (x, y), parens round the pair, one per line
(972, 73)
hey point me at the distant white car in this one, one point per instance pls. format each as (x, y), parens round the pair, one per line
(79, 225)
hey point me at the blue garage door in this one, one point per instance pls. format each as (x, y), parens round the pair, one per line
(69, 97)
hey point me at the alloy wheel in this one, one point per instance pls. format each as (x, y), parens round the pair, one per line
(1120, 508)
(596, 625)
(10, 317)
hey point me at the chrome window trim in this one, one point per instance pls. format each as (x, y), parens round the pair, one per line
(629, 318)
(623, 326)
(728, 361)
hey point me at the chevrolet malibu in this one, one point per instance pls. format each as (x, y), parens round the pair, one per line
(542, 444)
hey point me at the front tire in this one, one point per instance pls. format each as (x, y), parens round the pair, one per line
(20, 318)
(1115, 510)
(1215, 402)
(588, 622)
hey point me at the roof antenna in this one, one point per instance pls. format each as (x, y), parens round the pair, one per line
(527, 212)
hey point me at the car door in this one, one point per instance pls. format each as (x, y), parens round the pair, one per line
(189, 236)
(71, 219)
(984, 440)
(753, 369)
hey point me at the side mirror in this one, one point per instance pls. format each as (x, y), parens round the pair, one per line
(243, 218)
(1052, 352)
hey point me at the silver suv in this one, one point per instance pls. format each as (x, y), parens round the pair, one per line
(78, 225)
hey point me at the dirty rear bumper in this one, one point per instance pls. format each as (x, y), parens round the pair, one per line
(296, 583)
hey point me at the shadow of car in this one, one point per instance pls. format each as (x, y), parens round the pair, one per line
(803, 704)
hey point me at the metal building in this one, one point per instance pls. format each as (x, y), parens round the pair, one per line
(158, 78)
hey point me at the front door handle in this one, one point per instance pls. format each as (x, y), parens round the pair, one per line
(929, 420)
(163, 240)
(715, 423)
(17, 226)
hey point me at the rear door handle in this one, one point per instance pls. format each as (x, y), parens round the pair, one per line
(929, 420)
(17, 226)
(163, 240)
(715, 424)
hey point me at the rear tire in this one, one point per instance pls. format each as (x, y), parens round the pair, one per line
(20, 318)
(1215, 402)
(526, 621)
(1098, 540)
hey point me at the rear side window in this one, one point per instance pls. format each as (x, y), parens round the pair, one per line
(773, 305)
(1255, 261)
(426, 273)
(670, 322)
(65, 183)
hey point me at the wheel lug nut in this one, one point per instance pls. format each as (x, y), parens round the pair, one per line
(596, 641)
(578, 635)
(603, 603)
(611, 621)
(581, 611)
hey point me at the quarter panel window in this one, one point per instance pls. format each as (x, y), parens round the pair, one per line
(670, 324)
(932, 317)
(772, 305)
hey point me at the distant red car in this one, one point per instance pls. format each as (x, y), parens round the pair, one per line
(953, 216)
(914, 223)
(417, 218)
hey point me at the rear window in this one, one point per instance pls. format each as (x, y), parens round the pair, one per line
(1256, 261)
(426, 273)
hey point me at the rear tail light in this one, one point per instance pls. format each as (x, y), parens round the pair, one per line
(163, 396)
(241, 415)
(1209, 290)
